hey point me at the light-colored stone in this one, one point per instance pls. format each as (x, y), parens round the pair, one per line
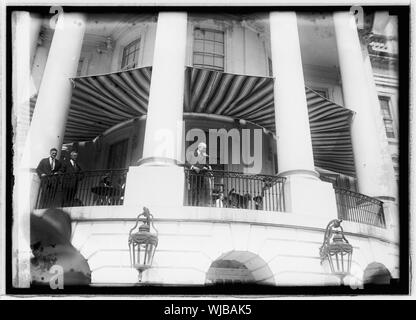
(114, 275)
(154, 186)
(310, 197)
(240, 236)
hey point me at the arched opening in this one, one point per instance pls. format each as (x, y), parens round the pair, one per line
(239, 267)
(376, 273)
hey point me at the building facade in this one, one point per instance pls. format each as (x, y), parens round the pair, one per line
(299, 113)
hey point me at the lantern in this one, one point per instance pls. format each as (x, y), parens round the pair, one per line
(142, 244)
(336, 251)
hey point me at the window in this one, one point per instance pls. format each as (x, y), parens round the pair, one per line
(130, 54)
(387, 118)
(208, 49)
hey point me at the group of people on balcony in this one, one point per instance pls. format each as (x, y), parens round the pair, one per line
(65, 183)
(48, 170)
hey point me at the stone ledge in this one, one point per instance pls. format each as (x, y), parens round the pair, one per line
(225, 215)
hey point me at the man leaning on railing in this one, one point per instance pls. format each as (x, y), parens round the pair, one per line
(47, 170)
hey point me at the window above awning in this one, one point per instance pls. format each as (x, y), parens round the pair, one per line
(102, 101)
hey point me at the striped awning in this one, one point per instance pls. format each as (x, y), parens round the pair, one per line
(237, 96)
(252, 98)
(102, 101)
(330, 126)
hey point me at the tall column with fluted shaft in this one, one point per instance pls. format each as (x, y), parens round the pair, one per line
(51, 111)
(358, 97)
(157, 173)
(304, 192)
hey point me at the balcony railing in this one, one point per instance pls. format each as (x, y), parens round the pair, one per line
(353, 206)
(88, 188)
(225, 189)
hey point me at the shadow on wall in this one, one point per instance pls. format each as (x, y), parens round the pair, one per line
(239, 267)
(55, 260)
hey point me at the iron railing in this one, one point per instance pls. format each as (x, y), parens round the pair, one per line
(88, 188)
(234, 190)
(354, 206)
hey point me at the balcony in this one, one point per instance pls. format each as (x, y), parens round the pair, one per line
(354, 206)
(218, 189)
(225, 189)
(88, 188)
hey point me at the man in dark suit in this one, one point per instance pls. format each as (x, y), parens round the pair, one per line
(47, 170)
(202, 181)
(50, 165)
(72, 176)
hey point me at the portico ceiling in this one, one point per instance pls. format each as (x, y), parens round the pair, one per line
(102, 101)
(317, 28)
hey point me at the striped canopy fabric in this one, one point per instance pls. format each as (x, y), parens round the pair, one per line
(102, 101)
(252, 98)
(330, 126)
(237, 96)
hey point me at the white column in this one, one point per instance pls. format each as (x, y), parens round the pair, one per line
(294, 144)
(359, 96)
(24, 51)
(48, 122)
(21, 45)
(165, 109)
(388, 176)
(157, 180)
(390, 196)
(49, 119)
(305, 194)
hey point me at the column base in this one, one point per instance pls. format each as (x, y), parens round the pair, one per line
(309, 196)
(157, 161)
(311, 174)
(154, 185)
